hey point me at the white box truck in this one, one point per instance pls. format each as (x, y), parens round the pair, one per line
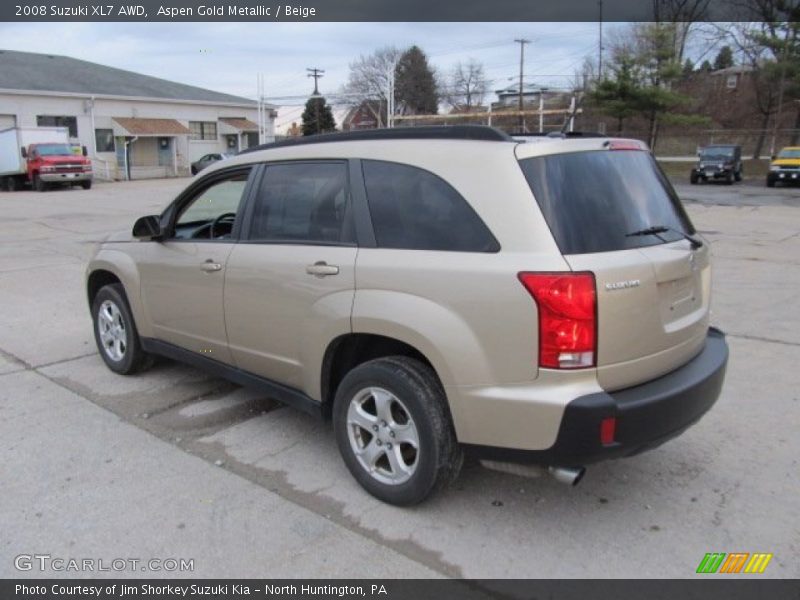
(41, 157)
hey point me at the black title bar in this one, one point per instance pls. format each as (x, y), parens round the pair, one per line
(373, 10)
(705, 588)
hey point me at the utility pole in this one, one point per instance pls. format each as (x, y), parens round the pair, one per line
(316, 74)
(521, 42)
(600, 44)
(777, 117)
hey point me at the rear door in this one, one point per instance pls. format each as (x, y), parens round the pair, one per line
(290, 283)
(652, 288)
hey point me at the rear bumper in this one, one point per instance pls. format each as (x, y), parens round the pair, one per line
(646, 415)
(65, 177)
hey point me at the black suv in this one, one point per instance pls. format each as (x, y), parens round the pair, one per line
(718, 162)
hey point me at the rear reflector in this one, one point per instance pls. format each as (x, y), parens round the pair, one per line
(607, 430)
(567, 318)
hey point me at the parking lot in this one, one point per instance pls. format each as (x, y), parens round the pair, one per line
(174, 463)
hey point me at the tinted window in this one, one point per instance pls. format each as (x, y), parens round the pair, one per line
(303, 202)
(591, 200)
(416, 210)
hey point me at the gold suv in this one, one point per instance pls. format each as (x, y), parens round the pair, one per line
(434, 292)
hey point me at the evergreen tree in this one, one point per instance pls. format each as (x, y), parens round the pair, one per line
(317, 117)
(415, 84)
(724, 58)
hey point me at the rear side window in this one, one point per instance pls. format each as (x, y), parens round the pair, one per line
(414, 209)
(593, 200)
(302, 203)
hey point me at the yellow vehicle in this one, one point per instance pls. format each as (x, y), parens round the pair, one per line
(785, 167)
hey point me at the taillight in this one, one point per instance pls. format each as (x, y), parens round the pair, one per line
(624, 145)
(567, 318)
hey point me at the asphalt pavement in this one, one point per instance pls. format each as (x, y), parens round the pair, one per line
(175, 464)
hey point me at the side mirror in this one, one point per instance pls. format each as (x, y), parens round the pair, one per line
(84, 151)
(147, 228)
(24, 152)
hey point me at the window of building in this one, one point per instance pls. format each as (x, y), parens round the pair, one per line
(731, 82)
(414, 209)
(70, 123)
(303, 202)
(203, 130)
(104, 140)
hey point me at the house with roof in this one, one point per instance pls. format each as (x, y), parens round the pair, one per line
(134, 126)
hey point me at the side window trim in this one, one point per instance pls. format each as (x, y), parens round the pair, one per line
(365, 233)
(246, 226)
(170, 215)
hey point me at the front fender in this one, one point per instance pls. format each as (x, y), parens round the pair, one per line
(124, 268)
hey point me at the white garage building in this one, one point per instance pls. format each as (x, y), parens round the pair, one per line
(164, 126)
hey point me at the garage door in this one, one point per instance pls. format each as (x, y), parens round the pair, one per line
(7, 121)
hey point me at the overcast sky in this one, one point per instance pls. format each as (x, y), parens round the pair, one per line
(226, 56)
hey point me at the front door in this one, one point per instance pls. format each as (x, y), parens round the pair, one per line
(182, 277)
(290, 282)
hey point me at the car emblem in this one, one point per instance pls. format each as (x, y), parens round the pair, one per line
(623, 285)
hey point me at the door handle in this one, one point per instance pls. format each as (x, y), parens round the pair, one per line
(322, 269)
(210, 266)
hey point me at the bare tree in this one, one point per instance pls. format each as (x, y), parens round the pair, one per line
(768, 44)
(368, 81)
(682, 15)
(467, 86)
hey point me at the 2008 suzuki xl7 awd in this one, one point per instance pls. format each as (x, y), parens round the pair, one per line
(433, 291)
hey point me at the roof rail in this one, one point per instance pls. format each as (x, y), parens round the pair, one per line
(566, 134)
(432, 132)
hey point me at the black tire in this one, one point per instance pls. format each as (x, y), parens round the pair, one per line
(194, 171)
(133, 359)
(738, 175)
(728, 178)
(38, 184)
(87, 185)
(438, 458)
(770, 182)
(13, 184)
(693, 179)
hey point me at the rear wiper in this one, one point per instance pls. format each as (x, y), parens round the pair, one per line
(656, 230)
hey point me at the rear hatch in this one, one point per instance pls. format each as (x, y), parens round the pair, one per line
(652, 288)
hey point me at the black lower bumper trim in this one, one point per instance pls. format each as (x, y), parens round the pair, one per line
(647, 415)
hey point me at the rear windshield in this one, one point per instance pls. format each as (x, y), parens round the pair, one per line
(593, 200)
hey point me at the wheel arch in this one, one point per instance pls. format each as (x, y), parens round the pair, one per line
(98, 279)
(113, 266)
(347, 351)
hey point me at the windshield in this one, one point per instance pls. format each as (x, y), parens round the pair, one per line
(54, 150)
(794, 153)
(593, 200)
(716, 153)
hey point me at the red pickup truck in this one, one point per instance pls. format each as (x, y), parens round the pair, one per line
(41, 164)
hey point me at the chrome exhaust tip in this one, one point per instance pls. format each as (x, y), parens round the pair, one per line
(567, 475)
